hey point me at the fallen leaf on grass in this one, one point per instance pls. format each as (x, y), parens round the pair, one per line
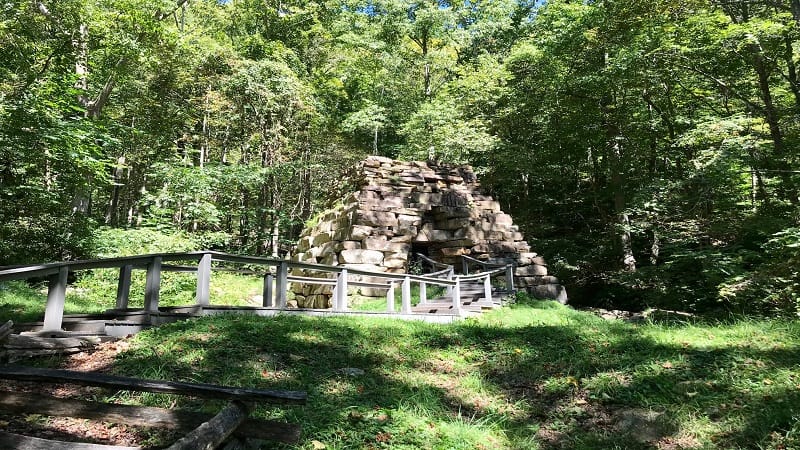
(317, 445)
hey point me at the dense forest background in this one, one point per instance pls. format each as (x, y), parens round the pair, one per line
(649, 149)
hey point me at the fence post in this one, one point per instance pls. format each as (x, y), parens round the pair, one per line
(457, 297)
(266, 294)
(56, 295)
(124, 286)
(390, 297)
(423, 292)
(152, 285)
(282, 286)
(487, 288)
(204, 280)
(340, 292)
(405, 296)
(510, 278)
(450, 273)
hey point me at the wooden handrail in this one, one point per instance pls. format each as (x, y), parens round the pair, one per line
(154, 264)
(432, 262)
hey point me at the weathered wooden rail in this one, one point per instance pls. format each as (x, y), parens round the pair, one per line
(275, 273)
(207, 432)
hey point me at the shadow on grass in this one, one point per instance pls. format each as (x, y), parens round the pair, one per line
(560, 382)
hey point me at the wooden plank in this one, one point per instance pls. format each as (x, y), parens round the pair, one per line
(16, 354)
(56, 296)
(6, 329)
(203, 280)
(282, 285)
(34, 342)
(405, 296)
(146, 416)
(267, 299)
(20, 442)
(31, 271)
(152, 286)
(13, 372)
(124, 286)
(212, 433)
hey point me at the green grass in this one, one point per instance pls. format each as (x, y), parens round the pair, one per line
(535, 375)
(358, 303)
(96, 291)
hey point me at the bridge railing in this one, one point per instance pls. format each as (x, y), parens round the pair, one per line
(467, 261)
(275, 273)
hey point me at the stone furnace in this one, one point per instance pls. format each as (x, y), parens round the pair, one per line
(404, 208)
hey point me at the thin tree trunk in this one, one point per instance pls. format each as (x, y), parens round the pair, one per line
(772, 118)
(79, 44)
(794, 84)
(117, 173)
(275, 235)
(655, 248)
(375, 142)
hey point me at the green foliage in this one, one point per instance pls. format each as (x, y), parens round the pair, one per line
(659, 133)
(111, 242)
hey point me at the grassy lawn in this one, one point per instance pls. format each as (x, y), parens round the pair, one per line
(96, 291)
(359, 303)
(533, 375)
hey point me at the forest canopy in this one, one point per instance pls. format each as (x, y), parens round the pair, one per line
(649, 149)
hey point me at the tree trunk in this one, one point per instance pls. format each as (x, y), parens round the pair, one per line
(655, 248)
(81, 63)
(276, 229)
(375, 141)
(623, 220)
(771, 116)
(117, 173)
(794, 84)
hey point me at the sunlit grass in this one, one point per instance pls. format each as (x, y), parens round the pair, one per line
(96, 291)
(534, 375)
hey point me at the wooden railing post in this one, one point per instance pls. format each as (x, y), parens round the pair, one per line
(124, 286)
(457, 297)
(510, 278)
(56, 296)
(487, 288)
(267, 300)
(390, 297)
(282, 285)
(152, 286)
(204, 280)
(423, 292)
(405, 296)
(340, 292)
(450, 274)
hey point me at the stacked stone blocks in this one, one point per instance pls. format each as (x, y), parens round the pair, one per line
(415, 205)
